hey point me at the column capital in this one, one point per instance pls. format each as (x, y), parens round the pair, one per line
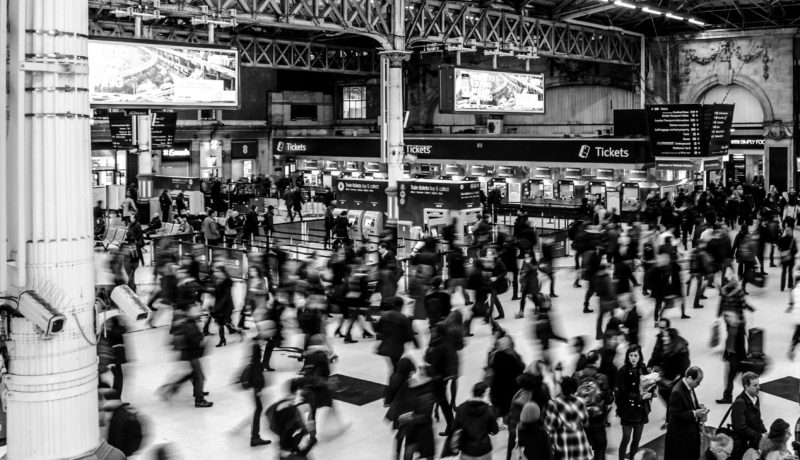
(396, 57)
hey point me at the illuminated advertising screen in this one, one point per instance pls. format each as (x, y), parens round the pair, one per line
(496, 92)
(152, 74)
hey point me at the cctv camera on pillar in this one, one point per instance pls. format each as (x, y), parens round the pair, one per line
(37, 310)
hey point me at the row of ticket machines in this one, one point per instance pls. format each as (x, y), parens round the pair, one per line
(368, 225)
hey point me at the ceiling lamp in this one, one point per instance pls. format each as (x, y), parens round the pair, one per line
(625, 4)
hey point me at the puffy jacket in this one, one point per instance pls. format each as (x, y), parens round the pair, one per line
(476, 420)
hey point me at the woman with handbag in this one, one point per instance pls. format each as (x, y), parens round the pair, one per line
(633, 401)
(788, 249)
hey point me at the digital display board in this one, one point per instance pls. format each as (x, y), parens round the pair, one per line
(492, 91)
(121, 126)
(690, 130)
(152, 74)
(162, 130)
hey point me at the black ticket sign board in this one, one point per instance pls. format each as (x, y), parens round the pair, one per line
(121, 126)
(689, 130)
(162, 130)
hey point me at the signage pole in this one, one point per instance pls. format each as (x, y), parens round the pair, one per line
(145, 176)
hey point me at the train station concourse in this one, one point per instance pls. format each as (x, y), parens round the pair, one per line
(399, 229)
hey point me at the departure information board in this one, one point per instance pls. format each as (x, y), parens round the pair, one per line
(690, 130)
(121, 126)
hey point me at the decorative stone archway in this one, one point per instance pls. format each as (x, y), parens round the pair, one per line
(695, 95)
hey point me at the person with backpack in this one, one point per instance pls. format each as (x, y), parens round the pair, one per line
(565, 418)
(474, 424)
(297, 433)
(594, 390)
(633, 401)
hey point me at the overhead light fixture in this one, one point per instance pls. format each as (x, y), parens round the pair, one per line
(673, 16)
(696, 22)
(624, 4)
(652, 11)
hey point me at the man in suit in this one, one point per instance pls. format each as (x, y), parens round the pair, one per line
(686, 417)
(746, 417)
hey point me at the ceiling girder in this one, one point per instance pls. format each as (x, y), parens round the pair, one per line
(260, 51)
(426, 21)
(438, 22)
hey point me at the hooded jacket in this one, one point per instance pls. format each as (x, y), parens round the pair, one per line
(477, 421)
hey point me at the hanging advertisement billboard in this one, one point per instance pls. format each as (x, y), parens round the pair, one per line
(473, 90)
(151, 74)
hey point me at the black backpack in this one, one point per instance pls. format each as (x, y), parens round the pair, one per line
(125, 420)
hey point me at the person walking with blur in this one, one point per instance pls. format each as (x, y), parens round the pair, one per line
(188, 340)
(788, 250)
(529, 281)
(477, 422)
(504, 367)
(223, 305)
(257, 383)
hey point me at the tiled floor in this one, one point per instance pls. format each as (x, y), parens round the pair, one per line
(223, 431)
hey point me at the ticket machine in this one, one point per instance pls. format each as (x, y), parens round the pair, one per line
(355, 218)
(566, 190)
(630, 196)
(373, 223)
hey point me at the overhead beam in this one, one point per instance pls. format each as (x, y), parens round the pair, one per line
(257, 51)
(438, 21)
(361, 17)
(585, 12)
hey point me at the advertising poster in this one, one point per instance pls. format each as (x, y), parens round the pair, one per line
(142, 73)
(493, 91)
(365, 195)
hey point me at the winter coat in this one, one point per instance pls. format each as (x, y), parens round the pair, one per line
(394, 330)
(223, 301)
(504, 368)
(534, 441)
(631, 408)
(477, 421)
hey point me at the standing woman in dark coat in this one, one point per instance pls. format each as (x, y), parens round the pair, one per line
(223, 303)
(505, 365)
(633, 405)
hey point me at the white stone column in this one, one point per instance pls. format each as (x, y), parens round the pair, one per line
(392, 148)
(51, 388)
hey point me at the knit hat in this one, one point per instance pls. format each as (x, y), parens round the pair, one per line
(778, 429)
(530, 413)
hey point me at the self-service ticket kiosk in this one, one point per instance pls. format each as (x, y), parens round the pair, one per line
(566, 190)
(630, 196)
(356, 218)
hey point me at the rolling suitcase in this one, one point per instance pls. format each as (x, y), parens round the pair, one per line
(755, 343)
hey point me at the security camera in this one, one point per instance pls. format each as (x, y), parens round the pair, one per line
(129, 303)
(40, 312)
